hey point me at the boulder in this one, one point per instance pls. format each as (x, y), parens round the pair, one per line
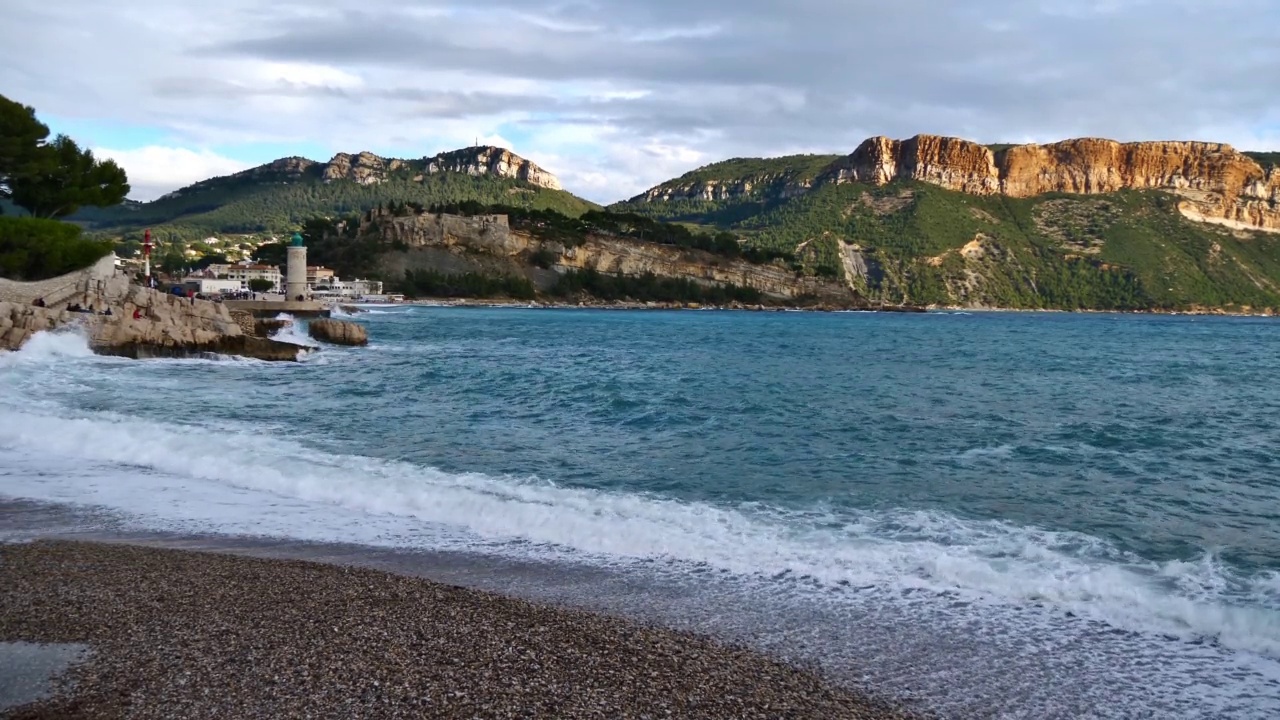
(338, 332)
(264, 328)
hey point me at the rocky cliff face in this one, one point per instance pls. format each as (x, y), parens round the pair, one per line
(364, 168)
(486, 244)
(367, 168)
(1217, 183)
(778, 185)
(493, 161)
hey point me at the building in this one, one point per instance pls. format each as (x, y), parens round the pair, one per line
(244, 273)
(360, 288)
(296, 270)
(213, 286)
(319, 275)
(338, 289)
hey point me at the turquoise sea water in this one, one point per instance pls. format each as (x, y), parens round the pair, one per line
(992, 515)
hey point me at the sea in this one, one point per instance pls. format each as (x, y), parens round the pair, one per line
(980, 515)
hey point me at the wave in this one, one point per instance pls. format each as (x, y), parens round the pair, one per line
(293, 333)
(251, 482)
(49, 345)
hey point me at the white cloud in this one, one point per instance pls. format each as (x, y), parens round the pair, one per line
(155, 170)
(570, 88)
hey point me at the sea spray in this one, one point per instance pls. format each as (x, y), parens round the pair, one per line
(49, 345)
(293, 333)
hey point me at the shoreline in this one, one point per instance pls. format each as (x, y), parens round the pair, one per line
(542, 305)
(200, 633)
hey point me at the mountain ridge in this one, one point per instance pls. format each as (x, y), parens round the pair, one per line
(1217, 183)
(278, 196)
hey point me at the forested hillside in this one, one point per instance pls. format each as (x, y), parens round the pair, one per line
(249, 206)
(914, 242)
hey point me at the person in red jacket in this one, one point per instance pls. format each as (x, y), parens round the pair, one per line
(137, 314)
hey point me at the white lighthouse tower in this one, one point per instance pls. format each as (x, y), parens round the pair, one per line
(295, 274)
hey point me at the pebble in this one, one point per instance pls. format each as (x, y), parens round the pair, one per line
(181, 634)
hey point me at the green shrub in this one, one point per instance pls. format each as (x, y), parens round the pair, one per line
(35, 249)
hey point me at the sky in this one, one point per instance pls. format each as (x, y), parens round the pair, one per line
(615, 96)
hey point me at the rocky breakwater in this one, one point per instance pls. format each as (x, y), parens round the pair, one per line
(338, 332)
(165, 326)
(1217, 184)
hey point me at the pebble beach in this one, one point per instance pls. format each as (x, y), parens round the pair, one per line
(181, 634)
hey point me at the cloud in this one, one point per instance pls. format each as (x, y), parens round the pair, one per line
(154, 170)
(615, 96)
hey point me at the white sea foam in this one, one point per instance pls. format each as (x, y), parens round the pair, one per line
(255, 483)
(293, 333)
(47, 346)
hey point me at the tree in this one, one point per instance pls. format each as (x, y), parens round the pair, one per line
(271, 254)
(260, 285)
(211, 259)
(174, 262)
(128, 248)
(20, 135)
(51, 179)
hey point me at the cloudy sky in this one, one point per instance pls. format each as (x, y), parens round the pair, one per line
(617, 95)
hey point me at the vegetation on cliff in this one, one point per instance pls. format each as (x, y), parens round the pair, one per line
(793, 167)
(277, 202)
(648, 288)
(38, 249)
(913, 242)
(429, 283)
(338, 242)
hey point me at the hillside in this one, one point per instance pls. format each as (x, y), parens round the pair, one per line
(1082, 224)
(471, 250)
(278, 197)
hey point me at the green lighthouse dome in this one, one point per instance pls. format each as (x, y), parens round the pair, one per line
(296, 240)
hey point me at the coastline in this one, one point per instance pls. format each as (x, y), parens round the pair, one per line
(542, 305)
(187, 633)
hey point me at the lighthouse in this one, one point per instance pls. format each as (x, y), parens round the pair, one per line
(295, 285)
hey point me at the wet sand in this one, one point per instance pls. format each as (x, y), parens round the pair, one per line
(179, 634)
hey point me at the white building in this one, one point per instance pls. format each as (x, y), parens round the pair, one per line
(214, 286)
(337, 288)
(242, 274)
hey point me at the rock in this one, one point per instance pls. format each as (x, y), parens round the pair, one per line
(1217, 183)
(264, 328)
(238, 345)
(338, 332)
(369, 169)
(167, 326)
(493, 161)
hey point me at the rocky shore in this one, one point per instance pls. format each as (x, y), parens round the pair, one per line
(123, 318)
(179, 634)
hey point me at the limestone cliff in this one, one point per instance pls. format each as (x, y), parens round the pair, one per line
(487, 244)
(364, 168)
(492, 161)
(1216, 183)
(743, 178)
(1213, 181)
